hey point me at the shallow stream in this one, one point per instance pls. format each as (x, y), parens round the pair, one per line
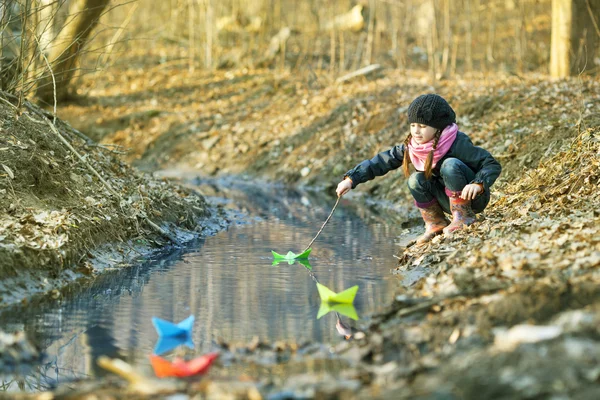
(226, 281)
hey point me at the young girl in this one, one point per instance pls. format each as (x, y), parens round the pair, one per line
(452, 174)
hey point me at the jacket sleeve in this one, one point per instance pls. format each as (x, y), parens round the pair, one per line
(486, 167)
(379, 165)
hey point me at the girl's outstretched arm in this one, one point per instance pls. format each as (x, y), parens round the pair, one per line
(379, 165)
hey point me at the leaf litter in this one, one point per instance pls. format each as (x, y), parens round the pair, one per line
(515, 294)
(56, 213)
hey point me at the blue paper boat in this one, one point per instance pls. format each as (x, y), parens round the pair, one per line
(168, 329)
(166, 344)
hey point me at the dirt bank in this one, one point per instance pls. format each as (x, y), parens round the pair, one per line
(65, 218)
(511, 306)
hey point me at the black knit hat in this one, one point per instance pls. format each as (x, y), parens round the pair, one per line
(432, 110)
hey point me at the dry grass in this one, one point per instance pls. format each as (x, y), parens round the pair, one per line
(54, 211)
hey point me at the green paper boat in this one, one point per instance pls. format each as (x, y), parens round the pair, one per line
(304, 263)
(346, 310)
(345, 297)
(290, 257)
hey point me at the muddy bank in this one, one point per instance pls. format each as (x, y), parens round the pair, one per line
(65, 217)
(515, 298)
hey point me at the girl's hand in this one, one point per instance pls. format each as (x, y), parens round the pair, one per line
(471, 191)
(343, 187)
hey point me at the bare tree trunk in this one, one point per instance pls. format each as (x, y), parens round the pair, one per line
(377, 37)
(208, 26)
(174, 17)
(468, 37)
(31, 42)
(447, 38)
(395, 32)
(45, 29)
(575, 36)
(359, 50)
(453, 58)
(302, 54)
(191, 35)
(66, 48)
(404, 36)
(320, 59)
(520, 38)
(113, 41)
(370, 32)
(332, 44)
(342, 53)
(560, 57)
(282, 52)
(277, 14)
(23, 53)
(431, 44)
(489, 48)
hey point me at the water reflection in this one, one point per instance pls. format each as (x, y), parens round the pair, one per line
(166, 344)
(304, 262)
(346, 310)
(227, 282)
(342, 328)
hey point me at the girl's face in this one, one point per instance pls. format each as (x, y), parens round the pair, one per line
(422, 133)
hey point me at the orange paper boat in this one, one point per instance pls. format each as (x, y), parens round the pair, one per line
(181, 368)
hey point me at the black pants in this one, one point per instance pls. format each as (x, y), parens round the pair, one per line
(454, 176)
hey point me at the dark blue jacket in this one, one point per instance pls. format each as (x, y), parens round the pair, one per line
(481, 162)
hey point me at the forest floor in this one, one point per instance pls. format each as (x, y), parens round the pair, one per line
(511, 307)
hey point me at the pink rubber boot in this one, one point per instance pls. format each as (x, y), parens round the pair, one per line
(462, 213)
(435, 220)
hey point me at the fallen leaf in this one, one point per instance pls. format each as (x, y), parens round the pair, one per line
(8, 171)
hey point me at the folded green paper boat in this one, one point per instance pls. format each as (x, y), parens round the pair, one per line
(345, 297)
(291, 257)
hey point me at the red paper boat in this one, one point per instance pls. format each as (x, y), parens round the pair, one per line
(181, 368)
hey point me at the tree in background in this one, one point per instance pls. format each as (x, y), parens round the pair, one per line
(42, 42)
(575, 36)
(65, 49)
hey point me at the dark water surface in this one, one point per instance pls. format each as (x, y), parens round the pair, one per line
(226, 281)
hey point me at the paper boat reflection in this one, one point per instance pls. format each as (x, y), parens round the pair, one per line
(171, 335)
(303, 262)
(347, 310)
(166, 344)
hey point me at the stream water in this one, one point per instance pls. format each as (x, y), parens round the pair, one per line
(226, 281)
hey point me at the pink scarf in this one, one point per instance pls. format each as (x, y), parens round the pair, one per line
(418, 152)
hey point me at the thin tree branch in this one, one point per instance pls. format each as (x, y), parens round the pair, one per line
(589, 8)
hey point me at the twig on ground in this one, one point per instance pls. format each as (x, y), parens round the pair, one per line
(360, 72)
